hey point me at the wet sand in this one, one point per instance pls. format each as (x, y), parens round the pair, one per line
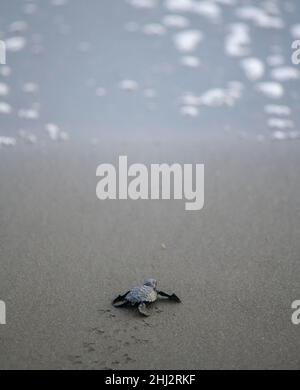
(235, 264)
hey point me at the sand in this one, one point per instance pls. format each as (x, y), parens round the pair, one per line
(235, 264)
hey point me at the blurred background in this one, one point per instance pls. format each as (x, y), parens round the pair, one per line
(149, 65)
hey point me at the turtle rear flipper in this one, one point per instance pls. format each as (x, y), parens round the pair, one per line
(120, 298)
(142, 308)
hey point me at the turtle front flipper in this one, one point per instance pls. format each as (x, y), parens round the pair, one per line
(172, 297)
(175, 298)
(142, 308)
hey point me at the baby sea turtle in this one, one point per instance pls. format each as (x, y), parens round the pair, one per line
(143, 296)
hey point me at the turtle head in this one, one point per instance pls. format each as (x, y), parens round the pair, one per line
(150, 283)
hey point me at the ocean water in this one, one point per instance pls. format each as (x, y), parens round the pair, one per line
(84, 68)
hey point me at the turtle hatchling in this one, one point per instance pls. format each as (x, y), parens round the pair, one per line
(142, 296)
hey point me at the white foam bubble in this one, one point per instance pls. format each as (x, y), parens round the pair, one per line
(253, 67)
(179, 5)
(7, 141)
(5, 71)
(280, 123)
(18, 26)
(30, 87)
(208, 9)
(259, 17)
(188, 40)
(30, 113)
(191, 111)
(189, 99)
(218, 97)
(55, 133)
(215, 97)
(275, 60)
(295, 30)
(15, 44)
(280, 110)
(101, 92)
(285, 73)
(28, 137)
(190, 61)
(4, 89)
(176, 21)
(279, 135)
(129, 85)
(154, 29)
(238, 40)
(5, 108)
(271, 89)
(143, 3)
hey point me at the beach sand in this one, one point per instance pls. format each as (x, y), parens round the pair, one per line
(65, 255)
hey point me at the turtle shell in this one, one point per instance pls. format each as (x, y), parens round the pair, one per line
(141, 294)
